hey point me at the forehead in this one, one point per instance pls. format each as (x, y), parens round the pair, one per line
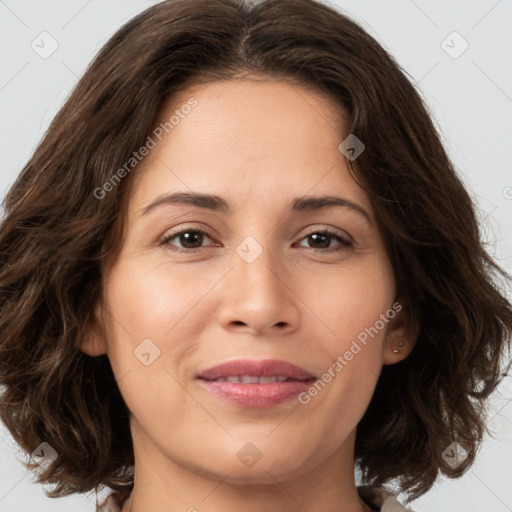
(249, 140)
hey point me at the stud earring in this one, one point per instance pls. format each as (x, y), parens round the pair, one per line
(397, 350)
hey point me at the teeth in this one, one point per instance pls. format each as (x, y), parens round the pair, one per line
(264, 380)
(248, 379)
(279, 378)
(251, 379)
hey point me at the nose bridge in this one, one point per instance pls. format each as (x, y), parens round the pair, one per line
(257, 267)
(256, 253)
(256, 294)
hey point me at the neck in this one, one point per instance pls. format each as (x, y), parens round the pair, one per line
(163, 484)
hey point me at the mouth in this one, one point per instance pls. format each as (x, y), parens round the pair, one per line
(250, 383)
(252, 379)
(250, 371)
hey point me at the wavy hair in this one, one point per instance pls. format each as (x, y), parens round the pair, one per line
(56, 237)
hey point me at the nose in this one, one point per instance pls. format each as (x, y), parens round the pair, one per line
(257, 296)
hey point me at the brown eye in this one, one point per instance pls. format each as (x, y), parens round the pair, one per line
(189, 240)
(321, 241)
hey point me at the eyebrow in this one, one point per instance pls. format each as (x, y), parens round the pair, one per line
(219, 204)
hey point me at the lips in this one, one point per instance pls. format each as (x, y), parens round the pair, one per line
(253, 379)
(262, 384)
(243, 369)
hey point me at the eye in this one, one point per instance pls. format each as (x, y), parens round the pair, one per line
(324, 238)
(191, 240)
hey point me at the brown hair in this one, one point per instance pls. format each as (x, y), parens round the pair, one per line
(56, 235)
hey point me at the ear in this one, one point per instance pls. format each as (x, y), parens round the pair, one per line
(401, 335)
(94, 342)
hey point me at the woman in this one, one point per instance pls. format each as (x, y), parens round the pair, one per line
(239, 263)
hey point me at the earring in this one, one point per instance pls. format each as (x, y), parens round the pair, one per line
(397, 350)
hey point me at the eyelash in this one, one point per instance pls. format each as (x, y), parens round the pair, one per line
(345, 244)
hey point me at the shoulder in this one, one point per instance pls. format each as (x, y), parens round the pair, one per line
(111, 501)
(381, 499)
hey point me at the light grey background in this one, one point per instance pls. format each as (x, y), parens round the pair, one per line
(470, 97)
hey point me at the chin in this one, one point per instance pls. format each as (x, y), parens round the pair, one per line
(259, 475)
(268, 469)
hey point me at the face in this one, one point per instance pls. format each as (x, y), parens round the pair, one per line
(258, 276)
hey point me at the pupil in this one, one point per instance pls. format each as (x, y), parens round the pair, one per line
(189, 238)
(322, 236)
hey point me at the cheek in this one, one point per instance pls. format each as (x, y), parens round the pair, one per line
(158, 303)
(151, 300)
(351, 302)
(357, 306)
(149, 326)
(156, 316)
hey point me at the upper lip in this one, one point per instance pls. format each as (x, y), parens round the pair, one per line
(264, 368)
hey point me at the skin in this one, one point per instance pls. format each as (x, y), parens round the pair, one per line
(258, 143)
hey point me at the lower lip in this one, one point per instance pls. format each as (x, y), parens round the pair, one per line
(257, 395)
